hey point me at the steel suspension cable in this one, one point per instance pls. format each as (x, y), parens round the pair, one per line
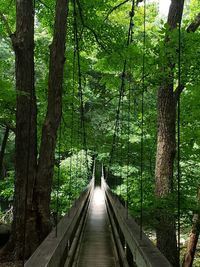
(58, 178)
(130, 40)
(118, 112)
(72, 120)
(122, 87)
(78, 161)
(142, 123)
(82, 111)
(128, 147)
(121, 144)
(179, 138)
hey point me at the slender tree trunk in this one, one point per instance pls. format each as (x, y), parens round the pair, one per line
(2, 151)
(166, 229)
(193, 239)
(166, 145)
(166, 238)
(52, 120)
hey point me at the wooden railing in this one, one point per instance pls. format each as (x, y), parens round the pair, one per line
(61, 243)
(134, 247)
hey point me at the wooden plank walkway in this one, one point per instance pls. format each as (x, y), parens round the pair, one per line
(96, 245)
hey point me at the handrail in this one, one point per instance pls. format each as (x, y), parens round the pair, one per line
(143, 252)
(54, 250)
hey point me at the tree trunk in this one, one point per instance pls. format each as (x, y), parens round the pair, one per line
(2, 152)
(166, 145)
(194, 234)
(33, 181)
(52, 120)
(26, 148)
(193, 239)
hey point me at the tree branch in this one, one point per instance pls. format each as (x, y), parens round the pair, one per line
(191, 28)
(115, 7)
(88, 27)
(96, 37)
(8, 125)
(194, 25)
(45, 5)
(179, 89)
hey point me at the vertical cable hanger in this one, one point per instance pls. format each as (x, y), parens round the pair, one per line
(122, 87)
(142, 123)
(72, 119)
(116, 177)
(178, 136)
(58, 178)
(130, 40)
(121, 145)
(128, 148)
(80, 90)
(76, 46)
(118, 114)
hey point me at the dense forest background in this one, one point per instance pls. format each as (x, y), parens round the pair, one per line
(100, 79)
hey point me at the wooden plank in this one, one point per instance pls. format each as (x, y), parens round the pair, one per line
(97, 247)
(145, 253)
(53, 250)
(120, 248)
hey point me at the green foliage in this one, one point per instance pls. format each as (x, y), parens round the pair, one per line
(70, 180)
(7, 92)
(7, 187)
(103, 51)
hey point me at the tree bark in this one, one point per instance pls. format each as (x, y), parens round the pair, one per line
(33, 181)
(194, 25)
(25, 143)
(2, 151)
(52, 120)
(166, 145)
(193, 239)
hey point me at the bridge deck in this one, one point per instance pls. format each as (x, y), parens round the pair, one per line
(94, 237)
(96, 244)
